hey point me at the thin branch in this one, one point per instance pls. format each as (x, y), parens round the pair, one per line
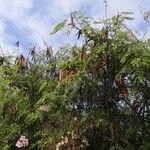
(24, 46)
(77, 20)
(126, 27)
(139, 116)
(44, 42)
(145, 31)
(145, 18)
(138, 33)
(74, 25)
(147, 22)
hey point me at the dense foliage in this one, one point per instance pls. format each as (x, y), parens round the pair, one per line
(82, 98)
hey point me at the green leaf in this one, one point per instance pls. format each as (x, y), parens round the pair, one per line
(127, 13)
(128, 18)
(58, 27)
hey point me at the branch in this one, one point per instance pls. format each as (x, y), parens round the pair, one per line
(147, 22)
(126, 27)
(77, 21)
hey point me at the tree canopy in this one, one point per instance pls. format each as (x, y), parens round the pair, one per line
(94, 96)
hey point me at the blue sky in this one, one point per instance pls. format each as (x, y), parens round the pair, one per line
(20, 20)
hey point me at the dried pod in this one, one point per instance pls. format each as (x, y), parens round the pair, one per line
(48, 52)
(21, 63)
(61, 75)
(17, 44)
(122, 88)
(83, 54)
(74, 53)
(33, 53)
(2, 60)
(146, 15)
(72, 20)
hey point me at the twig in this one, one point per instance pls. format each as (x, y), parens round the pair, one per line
(74, 25)
(145, 31)
(77, 20)
(44, 42)
(147, 22)
(138, 33)
(24, 46)
(145, 18)
(125, 26)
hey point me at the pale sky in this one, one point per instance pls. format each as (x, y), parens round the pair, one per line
(21, 19)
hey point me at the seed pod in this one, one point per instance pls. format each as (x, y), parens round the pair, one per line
(17, 44)
(72, 21)
(74, 53)
(83, 54)
(21, 63)
(48, 52)
(2, 60)
(33, 53)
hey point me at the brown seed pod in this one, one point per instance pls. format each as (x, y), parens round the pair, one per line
(33, 53)
(74, 53)
(72, 20)
(61, 75)
(68, 74)
(83, 54)
(21, 63)
(122, 87)
(17, 44)
(2, 60)
(48, 52)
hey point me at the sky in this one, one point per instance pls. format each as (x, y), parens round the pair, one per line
(30, 21)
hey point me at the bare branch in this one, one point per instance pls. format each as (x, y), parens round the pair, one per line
(131, 32)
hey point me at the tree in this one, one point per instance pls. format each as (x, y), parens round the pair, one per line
(94, 96)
